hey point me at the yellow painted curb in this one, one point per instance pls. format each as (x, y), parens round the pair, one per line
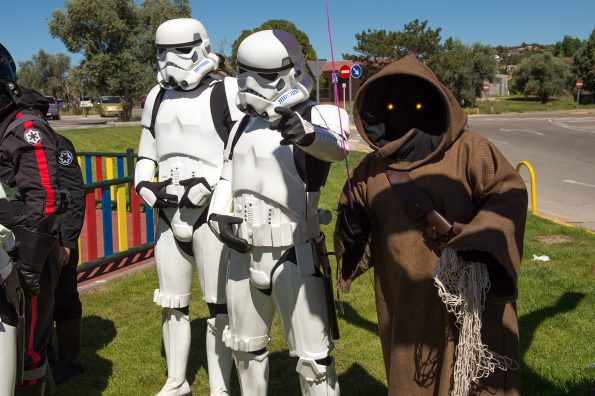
(562, 223)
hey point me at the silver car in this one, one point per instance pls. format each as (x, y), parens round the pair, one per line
(53, 110)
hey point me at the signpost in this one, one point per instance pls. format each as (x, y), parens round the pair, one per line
(486, 89)
(579, 85)
(316, 68)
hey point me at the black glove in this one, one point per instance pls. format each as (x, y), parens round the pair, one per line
(227, 234)
(197, 193)
(154, 194)
(355, 225)
(291, 127)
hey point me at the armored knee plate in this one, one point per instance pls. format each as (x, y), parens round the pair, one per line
(317, 379)
(244, 344)
(171, 301)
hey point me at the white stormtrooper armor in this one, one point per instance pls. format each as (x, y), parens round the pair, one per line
(184, 137)
(268, 196)
(8, 332)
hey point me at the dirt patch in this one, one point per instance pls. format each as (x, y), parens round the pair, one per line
(554, 239)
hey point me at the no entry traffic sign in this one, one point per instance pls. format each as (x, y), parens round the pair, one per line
(486, 87)
(579, 84)
(344, 72)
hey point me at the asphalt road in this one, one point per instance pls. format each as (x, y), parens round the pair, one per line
(91, 121)
(561, 150)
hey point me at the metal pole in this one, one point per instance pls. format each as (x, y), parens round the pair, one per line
(344, 96)
(317, 83)
(578, 95)
(350, 97)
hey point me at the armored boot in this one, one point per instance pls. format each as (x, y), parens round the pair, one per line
(176, 341)
(253, 371)
(219, 357)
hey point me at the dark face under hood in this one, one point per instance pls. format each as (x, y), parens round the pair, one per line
(403, 99)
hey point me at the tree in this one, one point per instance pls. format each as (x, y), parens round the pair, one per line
(541, 74)
(567, 47)
(378, 48)
(45, 73)
(463, 69)
(583, 64)
(279, 24)
(116, 38)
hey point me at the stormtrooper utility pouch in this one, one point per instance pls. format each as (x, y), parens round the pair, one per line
(34, 247)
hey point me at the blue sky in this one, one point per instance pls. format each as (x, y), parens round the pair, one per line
(23, 26)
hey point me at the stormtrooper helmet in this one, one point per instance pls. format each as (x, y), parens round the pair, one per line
(183, 54)
(271, 73)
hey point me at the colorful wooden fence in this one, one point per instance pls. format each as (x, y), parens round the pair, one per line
(116, 233)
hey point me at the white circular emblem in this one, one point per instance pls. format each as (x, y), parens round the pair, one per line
(32, 136)
(65, 158)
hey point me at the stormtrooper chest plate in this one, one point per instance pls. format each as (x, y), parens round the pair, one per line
(264, 168)
(184, 126)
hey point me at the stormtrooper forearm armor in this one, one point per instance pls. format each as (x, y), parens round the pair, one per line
(329, 143)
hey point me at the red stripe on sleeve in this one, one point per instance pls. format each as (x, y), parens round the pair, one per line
(44, 175)
(30, 345)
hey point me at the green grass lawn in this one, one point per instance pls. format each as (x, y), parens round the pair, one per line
(521, 104)
(122, 327)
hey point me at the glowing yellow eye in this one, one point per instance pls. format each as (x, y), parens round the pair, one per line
(418, 106)
(390, 106)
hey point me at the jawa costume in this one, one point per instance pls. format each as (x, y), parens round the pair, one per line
(440, 214)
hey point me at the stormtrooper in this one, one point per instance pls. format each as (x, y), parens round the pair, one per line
(185, 124)
(265, 208)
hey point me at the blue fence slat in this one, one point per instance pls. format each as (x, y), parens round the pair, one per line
(149, 223)
(88, 169)
(106, 211)
(120, 167)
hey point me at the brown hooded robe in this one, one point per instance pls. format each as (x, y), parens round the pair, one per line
(469, 181)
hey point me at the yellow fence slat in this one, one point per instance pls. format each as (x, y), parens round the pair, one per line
(122, 221)
(109, 170)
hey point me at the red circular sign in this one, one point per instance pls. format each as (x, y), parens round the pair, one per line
(579, 84)
(344, 72)
(486, 87)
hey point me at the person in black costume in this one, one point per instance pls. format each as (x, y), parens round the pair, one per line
(29, 176)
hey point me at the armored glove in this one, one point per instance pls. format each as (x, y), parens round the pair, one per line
(292, 127)
(154, 194)
(197, 194)
(224, 224)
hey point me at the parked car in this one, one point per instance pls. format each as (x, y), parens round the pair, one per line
(86, 102)
(110, 106)
(60, 103)
(53, 110)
